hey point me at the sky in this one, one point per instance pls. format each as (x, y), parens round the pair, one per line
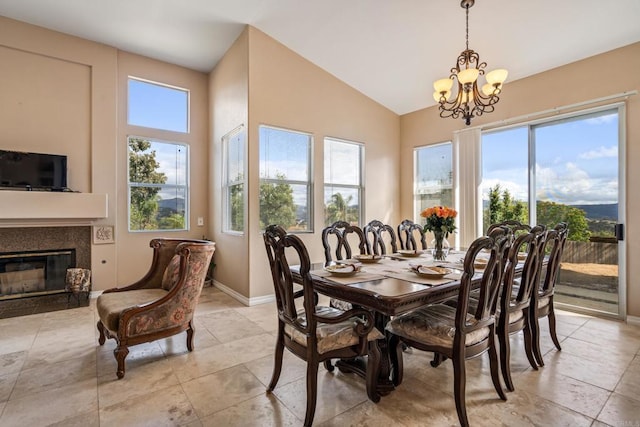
(576, 160)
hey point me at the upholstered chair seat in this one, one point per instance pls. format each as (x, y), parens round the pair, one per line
(434, 326)
(110, 309)
(330, 336)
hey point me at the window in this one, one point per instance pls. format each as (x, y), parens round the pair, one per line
(565, 169)
(285, 179)
(158, 106)
(342, 181)
(433, 179)
(158, 185)
(505, 177)
(234, 147)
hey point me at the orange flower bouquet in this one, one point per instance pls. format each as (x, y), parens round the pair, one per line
(441, 221)
(440, 218)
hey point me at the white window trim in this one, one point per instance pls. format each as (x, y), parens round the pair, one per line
(227, 184)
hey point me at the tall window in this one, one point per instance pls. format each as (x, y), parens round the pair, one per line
(158, 191)
(285, 179)
(158, 106)
(505, 188)
(158, 172)
(433, 179)
(234, 148)
(342, 181)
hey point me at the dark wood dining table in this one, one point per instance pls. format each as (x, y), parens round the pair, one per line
(385, 297)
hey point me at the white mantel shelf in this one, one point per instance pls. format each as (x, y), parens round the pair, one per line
(17, 207)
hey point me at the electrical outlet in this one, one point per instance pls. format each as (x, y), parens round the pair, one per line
(200, 221)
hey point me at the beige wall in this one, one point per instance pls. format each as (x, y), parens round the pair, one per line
(66, 95)
(229, 101)
(260, 81)
(574, 83)
(134, 255)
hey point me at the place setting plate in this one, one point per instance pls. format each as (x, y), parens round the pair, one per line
(409, 253)
(430, 272)
(343, 270)
(367, 259)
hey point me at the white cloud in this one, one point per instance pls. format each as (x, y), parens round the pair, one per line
(600, 153)
(572, 185)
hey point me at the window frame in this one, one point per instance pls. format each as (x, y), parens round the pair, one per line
(416, 209)
(309, 183)
(360, 187)
(227, 184)
(167, 86)
(186, 186)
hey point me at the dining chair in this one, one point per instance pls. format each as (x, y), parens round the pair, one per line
(340, 232)
(452, 332)
(516, 298)
(375, 236)
(544, 292)
(311, 332)
(513, 225)
(407, 231)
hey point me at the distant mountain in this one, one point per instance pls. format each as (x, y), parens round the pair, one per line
(175, 205)
(609, 211)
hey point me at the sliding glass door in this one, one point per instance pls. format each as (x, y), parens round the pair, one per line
(572, 174)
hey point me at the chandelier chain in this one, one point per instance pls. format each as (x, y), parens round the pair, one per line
(467, 10)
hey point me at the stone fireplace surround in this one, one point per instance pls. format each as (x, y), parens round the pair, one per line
(23, 239)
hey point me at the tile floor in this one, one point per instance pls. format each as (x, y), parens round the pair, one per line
(52, 372)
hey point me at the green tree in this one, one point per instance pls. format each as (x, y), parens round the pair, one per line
(276, 203)
(236, 202)
(338, 209)
(172, 222)
(144, 200)
(503, 207)
(551, 213)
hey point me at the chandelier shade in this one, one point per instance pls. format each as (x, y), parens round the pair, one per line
(469, 101)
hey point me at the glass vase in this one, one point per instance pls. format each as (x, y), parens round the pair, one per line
(439, 246)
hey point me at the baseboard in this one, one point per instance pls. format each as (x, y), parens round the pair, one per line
(241, 298)
(633, 320)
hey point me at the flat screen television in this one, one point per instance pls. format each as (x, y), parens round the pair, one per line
(33, 170)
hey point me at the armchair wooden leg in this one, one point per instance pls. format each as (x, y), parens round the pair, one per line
(528, 347)
(459, 389)
(312, 391)
(495, 369)
(277, 364)
(190, 332)
(505, 356)
(120, 353)
(552, 325)
(100, 326)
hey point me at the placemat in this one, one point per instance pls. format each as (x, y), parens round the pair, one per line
(362, 276)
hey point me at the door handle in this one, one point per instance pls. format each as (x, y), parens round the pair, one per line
(619, 231)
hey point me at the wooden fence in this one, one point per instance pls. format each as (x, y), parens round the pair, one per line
(596, 252)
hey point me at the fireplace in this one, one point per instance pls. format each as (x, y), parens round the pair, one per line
(24, 274)
(36, 259)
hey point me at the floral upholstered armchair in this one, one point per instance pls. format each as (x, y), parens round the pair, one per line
(159, 305)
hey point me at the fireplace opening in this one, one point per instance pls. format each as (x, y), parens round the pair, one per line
(33, 273)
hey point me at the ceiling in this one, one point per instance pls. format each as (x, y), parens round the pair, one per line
(390, 50)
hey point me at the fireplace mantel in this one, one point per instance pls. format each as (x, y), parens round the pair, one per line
(41, 207)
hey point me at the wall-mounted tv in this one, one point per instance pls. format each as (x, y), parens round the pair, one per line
(33, 170)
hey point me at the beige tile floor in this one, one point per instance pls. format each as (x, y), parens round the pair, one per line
(52, 372)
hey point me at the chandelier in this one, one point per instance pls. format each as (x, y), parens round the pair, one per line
(469, 101)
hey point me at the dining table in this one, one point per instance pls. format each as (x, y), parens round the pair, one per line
(389, 286)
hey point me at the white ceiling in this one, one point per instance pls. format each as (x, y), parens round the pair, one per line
(390, 50)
